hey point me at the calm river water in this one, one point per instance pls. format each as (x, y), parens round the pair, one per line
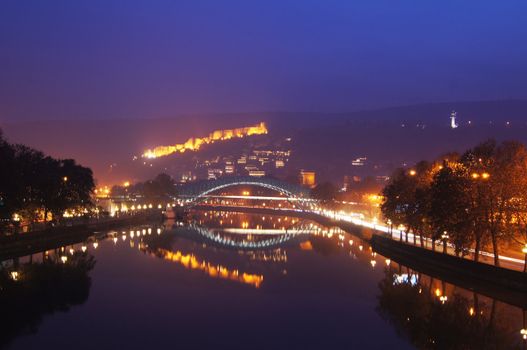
(232, 281)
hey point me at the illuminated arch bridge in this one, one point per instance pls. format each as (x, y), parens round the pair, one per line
(194, 193)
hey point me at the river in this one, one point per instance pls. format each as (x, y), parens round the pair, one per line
(231, 281)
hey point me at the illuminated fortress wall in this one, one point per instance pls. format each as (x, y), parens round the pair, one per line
(194, 144)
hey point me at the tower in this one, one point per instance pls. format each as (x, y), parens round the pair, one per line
(453, 123)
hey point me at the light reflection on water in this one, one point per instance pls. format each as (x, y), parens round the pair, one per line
(320, 287)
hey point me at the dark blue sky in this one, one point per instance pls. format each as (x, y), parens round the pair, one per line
(145, 59)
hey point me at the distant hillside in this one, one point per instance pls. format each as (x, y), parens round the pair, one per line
(326, 142)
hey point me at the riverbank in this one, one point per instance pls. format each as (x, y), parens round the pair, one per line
(507, 285)
(33, 242)
(500, 283)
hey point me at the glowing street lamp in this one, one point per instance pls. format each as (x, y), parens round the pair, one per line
(389, 222)
(524, 250)
(444, 237)
(483, 176)
(14, 275)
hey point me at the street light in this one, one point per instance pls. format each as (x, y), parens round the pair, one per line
(524, 250)
(445, 237)
(484, 176)
(389, 222)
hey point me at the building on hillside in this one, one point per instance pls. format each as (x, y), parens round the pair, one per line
(307, 178)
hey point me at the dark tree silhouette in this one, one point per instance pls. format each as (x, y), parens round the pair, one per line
(32, 184)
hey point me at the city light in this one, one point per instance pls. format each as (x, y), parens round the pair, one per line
(14, 275)
(194, 144)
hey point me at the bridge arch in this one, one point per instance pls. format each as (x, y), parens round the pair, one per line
(194, 193)
(301, 231)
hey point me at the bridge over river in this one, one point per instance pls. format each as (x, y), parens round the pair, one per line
(195, 193)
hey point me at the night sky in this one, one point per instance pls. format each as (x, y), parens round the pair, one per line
(149, 59)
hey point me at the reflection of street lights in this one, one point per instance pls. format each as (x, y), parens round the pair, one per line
(440, 293)
(523, 331)
(445, 237)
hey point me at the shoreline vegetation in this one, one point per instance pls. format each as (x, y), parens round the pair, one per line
(37, 190)
(473, 201)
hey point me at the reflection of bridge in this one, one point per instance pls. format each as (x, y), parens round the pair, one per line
(246, 242)
(195, 193)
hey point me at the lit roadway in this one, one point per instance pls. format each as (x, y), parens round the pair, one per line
(358, 219)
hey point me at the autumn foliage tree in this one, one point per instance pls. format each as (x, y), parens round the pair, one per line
(476, 200)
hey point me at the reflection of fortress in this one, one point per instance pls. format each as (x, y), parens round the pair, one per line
(189, 261)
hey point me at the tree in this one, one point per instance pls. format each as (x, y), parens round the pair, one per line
(398, 198)
(509, 178)
(32, 184)
(450, 207)
(417, 215)
(162, 187)
(325, 192)
(499, 179)
(9, 187)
